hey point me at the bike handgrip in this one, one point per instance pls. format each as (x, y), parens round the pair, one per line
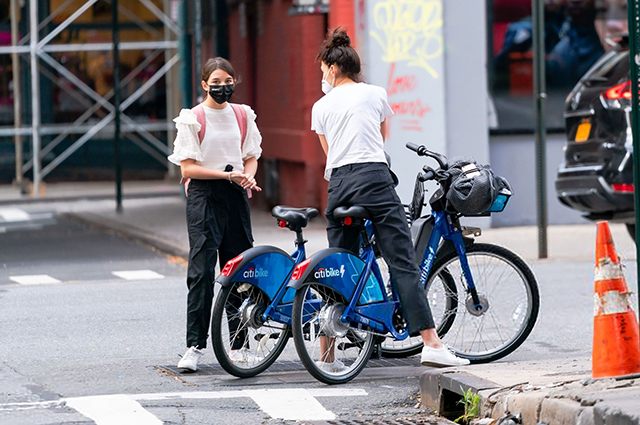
(429, 175)
(413, 147)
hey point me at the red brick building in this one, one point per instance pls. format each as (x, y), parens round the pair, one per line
(275, 55)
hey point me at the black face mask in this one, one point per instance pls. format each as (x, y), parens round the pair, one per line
(221, 94)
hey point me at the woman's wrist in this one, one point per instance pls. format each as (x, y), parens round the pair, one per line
(229, 176)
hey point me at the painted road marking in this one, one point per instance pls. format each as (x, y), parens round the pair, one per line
(13, 215)
(138, 275)
(116, 409)
(35, 279)
(294, 404)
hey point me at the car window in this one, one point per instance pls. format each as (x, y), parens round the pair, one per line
(613, 66)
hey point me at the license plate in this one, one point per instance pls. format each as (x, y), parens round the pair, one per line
(584, 129)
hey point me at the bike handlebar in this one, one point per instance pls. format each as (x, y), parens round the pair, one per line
(423, 151)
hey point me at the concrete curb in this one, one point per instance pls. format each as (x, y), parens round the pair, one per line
(129, 232)
(584, 402)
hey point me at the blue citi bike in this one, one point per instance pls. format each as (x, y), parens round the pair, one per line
(251, 319)
(483, 297)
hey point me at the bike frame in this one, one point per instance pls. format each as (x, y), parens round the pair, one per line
(379, 315)
(281, 312)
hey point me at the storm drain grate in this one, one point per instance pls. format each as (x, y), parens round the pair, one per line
(294, 365)
(387, 421)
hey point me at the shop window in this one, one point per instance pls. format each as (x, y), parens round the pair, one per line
(575, 32)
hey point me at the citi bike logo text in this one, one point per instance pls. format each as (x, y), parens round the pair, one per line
(330, 272)
(255, 273)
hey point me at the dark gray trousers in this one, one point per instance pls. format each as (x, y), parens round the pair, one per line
(370, 185)
(218, 221)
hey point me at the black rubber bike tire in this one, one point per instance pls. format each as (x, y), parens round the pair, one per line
(218, 343)
(528, 279)
(305, 358)
(416, 348)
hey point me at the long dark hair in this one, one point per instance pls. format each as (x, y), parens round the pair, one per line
(336, 50)
(217, 63)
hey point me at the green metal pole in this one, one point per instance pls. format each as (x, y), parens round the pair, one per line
(184, 50)
(116, 103)
(633, 7)
(539, 92)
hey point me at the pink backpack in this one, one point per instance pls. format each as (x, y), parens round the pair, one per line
(241, 117)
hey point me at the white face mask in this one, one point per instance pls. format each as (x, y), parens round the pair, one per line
(326, 86)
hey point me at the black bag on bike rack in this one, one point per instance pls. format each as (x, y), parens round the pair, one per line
(472, 187)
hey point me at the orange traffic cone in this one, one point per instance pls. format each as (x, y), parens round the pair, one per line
(616, 345)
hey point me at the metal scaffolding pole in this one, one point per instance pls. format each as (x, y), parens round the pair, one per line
(35, 95)
(43, 46)
(17, 92)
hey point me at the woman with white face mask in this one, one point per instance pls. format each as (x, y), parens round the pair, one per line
(350, 121)
(217, 148)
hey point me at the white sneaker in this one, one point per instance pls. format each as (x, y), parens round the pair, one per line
(244, 357)
(441, 357)
(190, 359)
(335, 367)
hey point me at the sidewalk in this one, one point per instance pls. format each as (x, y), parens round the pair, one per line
(555, 392)
(558, 392)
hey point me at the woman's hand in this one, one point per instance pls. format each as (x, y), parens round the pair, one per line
(245, 181)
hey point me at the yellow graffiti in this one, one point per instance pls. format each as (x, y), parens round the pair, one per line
(409, 30)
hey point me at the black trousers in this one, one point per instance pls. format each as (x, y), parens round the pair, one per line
(370, 185)
(219, 223)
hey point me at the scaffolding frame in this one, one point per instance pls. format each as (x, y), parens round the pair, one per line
(41, 50)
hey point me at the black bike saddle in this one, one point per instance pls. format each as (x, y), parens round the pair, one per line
(298, 217)
(353, 212)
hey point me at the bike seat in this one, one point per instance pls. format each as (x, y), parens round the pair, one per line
(353, 212)
(297, 217)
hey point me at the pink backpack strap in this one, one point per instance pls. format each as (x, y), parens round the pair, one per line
(199, 111)
(241, 116)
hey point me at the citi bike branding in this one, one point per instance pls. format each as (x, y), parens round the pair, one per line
(253, 273)
(329, 272)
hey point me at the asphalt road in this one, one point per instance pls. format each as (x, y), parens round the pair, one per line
(82, 343)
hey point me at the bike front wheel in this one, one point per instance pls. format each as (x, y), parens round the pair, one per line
(243, 343)
(509, 301)
(331, 350)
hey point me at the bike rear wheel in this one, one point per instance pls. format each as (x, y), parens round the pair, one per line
(243, 344)
(320, 336)
(509, 297)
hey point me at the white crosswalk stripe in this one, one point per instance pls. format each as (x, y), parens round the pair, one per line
(121, 409)
(138, 275)
(35, 279)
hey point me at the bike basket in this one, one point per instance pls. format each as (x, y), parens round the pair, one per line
(501, 201)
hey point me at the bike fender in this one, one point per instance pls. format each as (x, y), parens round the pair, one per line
(336, 268)
(447, 246)
(266, 267)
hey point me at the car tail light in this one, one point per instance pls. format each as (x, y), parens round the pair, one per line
(231, 265)
(621, 91)
(622, 187)
(300, 269)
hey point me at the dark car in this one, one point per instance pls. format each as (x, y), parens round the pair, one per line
(596, 176)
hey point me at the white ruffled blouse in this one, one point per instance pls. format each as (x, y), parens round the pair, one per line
(187, 143)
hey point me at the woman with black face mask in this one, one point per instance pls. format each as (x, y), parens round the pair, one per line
(217, 148)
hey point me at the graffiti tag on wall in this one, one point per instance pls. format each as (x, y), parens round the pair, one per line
(409, 30)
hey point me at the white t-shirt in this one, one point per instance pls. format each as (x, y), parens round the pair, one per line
(349, 117)
(221, 143)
